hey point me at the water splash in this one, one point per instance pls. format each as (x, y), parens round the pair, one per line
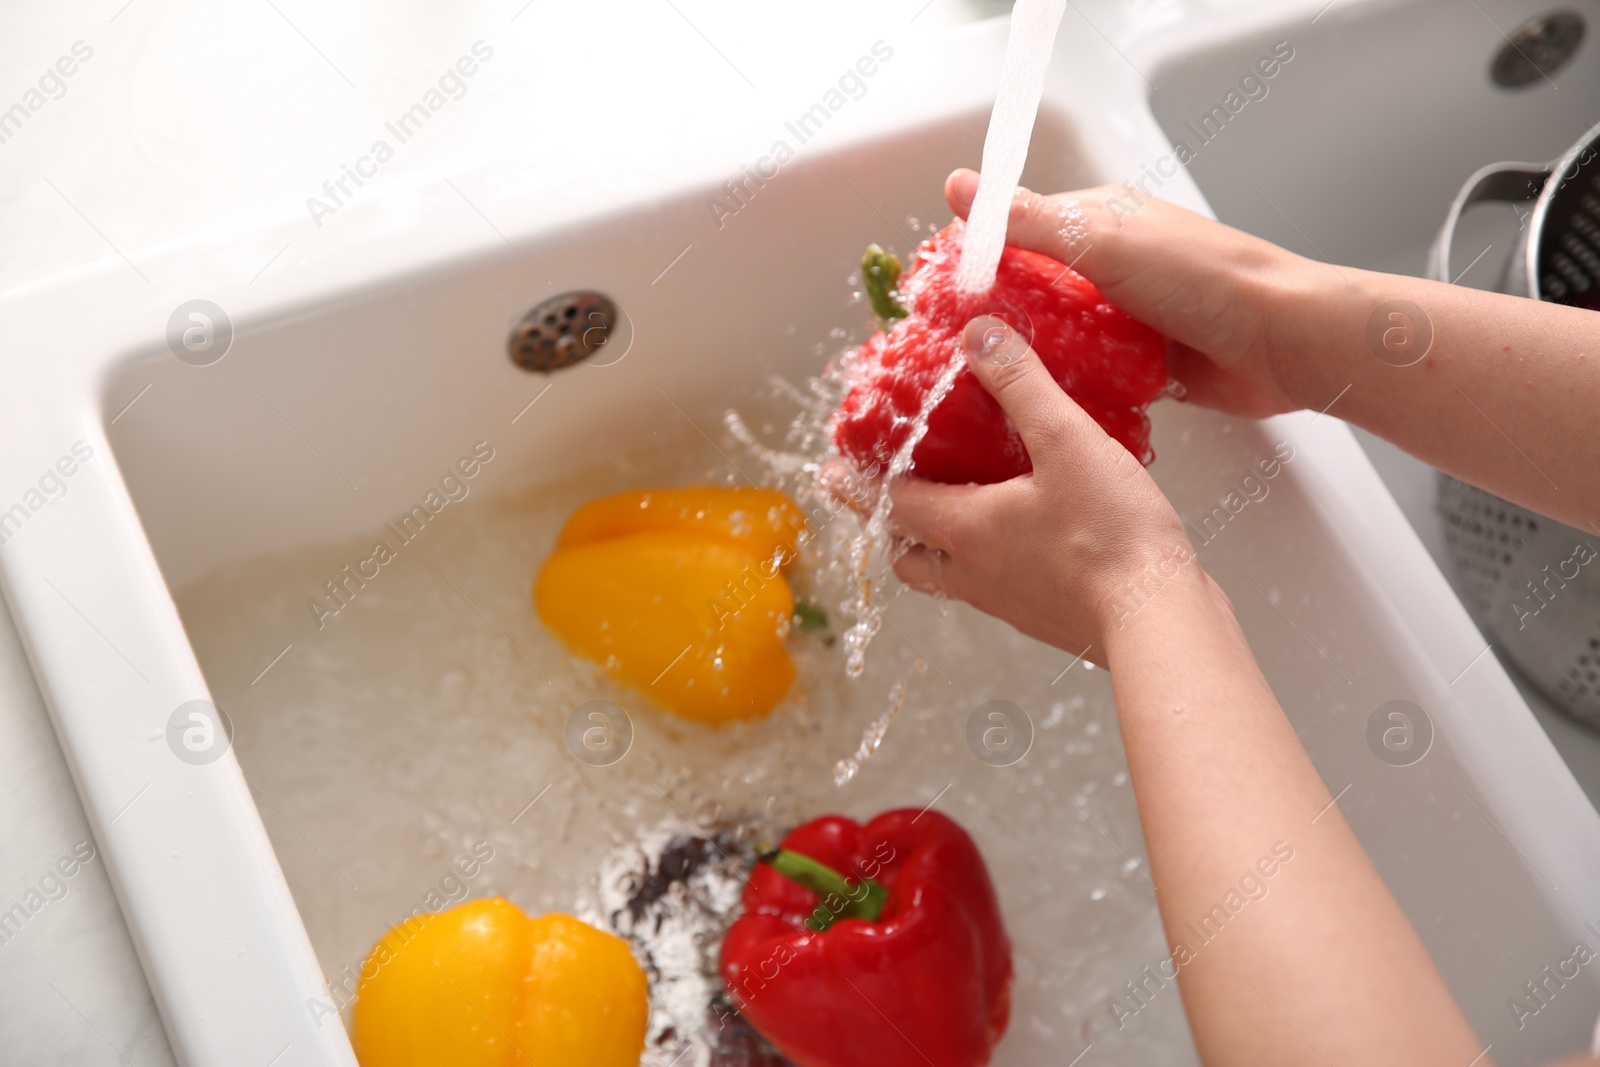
(857, 505)
(1005, 147)
(874, 551)
(870, 549)
(671, 895)
(856, 542)
(872, 737)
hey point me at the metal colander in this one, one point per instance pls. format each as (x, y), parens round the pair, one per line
(1532, 583)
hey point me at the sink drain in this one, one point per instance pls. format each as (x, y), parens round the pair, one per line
(563, 330)
(1537, 49)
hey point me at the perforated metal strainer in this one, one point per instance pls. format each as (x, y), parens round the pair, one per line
(1533, 583)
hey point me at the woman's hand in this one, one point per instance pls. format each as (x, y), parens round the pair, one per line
(1064, 554)
(1212, 289)
(1074, 552)
(1498, 390)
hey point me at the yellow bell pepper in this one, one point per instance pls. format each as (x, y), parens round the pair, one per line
(483, 985)
(763, 521)
(680, 594)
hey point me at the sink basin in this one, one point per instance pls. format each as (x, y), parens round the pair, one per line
(219, 494)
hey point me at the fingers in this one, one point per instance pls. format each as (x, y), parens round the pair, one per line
(960, 190)
(929, 513)
(923, 568)
(1209, 385)
(1046, 418)
(1064, 227)
(1202, 380)
(847, 486)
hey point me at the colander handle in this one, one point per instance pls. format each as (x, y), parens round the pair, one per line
(1511, 183)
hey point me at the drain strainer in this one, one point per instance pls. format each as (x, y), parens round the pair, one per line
(563, 330)
(1537, 49)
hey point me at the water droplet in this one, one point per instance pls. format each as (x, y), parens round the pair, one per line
(1072, 225)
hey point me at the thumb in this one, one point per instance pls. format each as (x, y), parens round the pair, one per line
(1046, 418)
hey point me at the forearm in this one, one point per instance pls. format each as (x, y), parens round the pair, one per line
(1225, 791)
(1506, 396)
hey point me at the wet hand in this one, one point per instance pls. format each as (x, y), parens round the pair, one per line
(1217, 292)
(1051, 552)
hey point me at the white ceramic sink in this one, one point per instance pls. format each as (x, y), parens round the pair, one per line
(358, 377)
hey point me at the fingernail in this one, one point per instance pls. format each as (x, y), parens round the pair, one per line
(988, 339)
(964, 185)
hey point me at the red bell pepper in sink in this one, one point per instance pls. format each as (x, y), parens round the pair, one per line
(1111, 364)
(873, 946)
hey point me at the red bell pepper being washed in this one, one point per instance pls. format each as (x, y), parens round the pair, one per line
(1112, 365)
(873, 946)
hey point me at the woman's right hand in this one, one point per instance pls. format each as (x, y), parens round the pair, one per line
(1068, 553)
(1211, 288)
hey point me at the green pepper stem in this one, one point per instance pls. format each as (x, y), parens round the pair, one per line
(811, 616)
(838, 898)
(880, 273)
